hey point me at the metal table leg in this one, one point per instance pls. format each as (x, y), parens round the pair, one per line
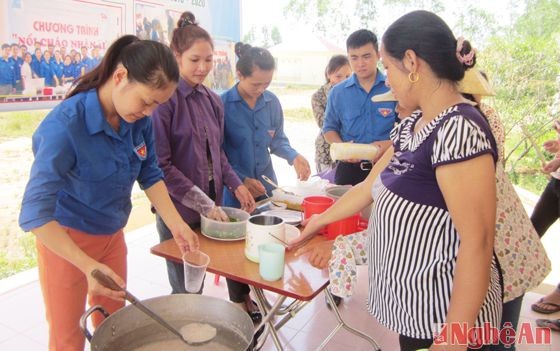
(268, 321)
(342, 324)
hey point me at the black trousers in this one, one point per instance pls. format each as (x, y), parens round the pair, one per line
(547, 209)
(349, 174)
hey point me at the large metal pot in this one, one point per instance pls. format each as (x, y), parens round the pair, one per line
(129, 328)
(336, 193)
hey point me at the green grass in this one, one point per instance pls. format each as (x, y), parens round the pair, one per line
(20, 124)
(11, 266)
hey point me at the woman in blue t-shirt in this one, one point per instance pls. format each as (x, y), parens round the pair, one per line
(254, 125)
(89, 151)
(67, 70)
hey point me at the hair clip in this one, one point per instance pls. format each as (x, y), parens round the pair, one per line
(468, 58)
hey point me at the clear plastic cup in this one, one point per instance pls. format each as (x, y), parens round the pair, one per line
(194, 265)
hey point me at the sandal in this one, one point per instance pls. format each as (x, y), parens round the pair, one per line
(553, 324)
(256, 315)
(535, 307)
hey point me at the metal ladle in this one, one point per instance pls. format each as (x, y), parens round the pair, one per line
(109, 283)
(271, 182)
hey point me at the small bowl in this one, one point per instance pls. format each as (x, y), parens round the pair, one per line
(228, 231)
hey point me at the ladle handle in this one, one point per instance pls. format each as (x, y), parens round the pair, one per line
(105, 280)
(109, 283)
(270, 181)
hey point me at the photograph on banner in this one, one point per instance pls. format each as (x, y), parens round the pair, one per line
(222, 76)
(46, 45)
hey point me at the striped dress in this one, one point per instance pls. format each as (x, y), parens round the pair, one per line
(413, 244)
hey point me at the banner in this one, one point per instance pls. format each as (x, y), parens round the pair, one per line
(85, 25)
(70, 24)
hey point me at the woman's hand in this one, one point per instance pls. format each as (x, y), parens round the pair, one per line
(319, 253)
(245, 198)
(95, 288)
(311, 227)
(552, 166)
(551, 146)
(302, 167)
(255, 187)
(216, 213)
(186, 239)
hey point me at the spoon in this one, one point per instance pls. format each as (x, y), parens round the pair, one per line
(109, 283)
(271, 182)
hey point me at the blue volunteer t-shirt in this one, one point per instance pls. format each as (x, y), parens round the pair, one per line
(84, 170)
(351, 113)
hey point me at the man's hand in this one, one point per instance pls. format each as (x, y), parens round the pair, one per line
(245, 198)
(302, 167)
(255, 187)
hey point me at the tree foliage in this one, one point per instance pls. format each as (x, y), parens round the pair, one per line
(520, 53)
(523, 64)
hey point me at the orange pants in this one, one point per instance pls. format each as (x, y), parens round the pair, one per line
(64, 286)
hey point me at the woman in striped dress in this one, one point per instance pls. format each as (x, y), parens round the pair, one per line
(430, 250)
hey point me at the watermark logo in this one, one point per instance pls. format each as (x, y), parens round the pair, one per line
(478, 336)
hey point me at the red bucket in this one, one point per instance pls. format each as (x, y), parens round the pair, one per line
(345, 226)
(316, 205)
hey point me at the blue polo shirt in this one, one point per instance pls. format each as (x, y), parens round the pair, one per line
(17, 62)
(47, 73)
(56, 68)
(7, 72)
(36, 66)
(68, 71)
(83, 171)
(251, 135)
(351, 113)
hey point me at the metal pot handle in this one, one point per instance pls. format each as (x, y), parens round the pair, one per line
(85, 316)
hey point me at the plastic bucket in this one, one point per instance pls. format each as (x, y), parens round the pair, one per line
(316, 205)
(345, 226)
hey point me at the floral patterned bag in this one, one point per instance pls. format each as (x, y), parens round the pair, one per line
(517, 245)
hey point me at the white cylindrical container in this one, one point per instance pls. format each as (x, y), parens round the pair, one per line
(262, 229)
(349, 151)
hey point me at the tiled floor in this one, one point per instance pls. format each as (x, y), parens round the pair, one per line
(23, 328)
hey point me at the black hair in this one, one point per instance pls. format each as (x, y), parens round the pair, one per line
(187, 33)
(4, 46)
(251, 57)
(432, 40)
(360, 38)
(334, 64)
(147, 62)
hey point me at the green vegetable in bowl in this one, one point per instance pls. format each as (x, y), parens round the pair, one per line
(233, 220)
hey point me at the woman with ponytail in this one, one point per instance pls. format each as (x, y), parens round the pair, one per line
(89, 151)
(189, 130)
(254, 125)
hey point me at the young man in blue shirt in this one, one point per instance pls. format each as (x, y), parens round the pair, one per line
(17, 61)
(351, 116)
(7, 72)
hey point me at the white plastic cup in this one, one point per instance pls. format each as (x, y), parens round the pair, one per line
(194, 266)
(271, 261)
